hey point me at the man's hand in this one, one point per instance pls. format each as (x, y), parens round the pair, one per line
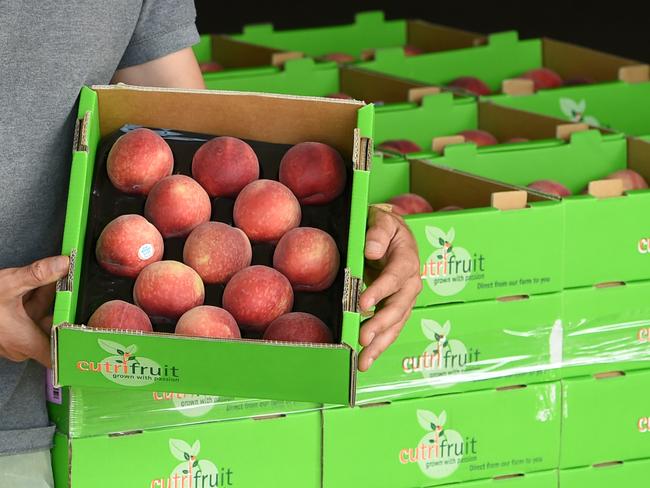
(26, 296)
(391, 248)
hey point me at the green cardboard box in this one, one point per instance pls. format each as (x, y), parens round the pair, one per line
(308, 78)
(369, 31)
(606, 329)
(87, 412)
(605, 419)
(632, 474)
(618, 105)
(505, 242)
(239, 58)
(244, 368)
(546, 479)
(502, 57)
(275, 452)
(468, 346)
(435, 122)
(444, 439)
(580, 164)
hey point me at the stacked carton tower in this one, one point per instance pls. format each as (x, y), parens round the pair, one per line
(525, 361)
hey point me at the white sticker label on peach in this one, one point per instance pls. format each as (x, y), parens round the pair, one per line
(145, 252)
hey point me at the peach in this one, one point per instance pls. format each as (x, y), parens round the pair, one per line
(138, 160)
(631, 179)
(266, 210)
(314, 172)
(176, 205)
(410, 203)
(128, 244)
(217, 251)
(479, 137)
(543, 78)
(449, 208)
(167, 289)
(308, 257)
(298, 327)
(410, 50)
(225, 165)
(118, 314)
(210, 67)
(402, 146)
(340, 58)
(471, 84)
(551, 187)
(256, 296)
(340, 95)
(208, 321)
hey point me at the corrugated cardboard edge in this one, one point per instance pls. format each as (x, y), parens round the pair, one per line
(438, 144)
(67, 283)
(351, 292)
(518, 87)
(634, 74)
(123, 86)
(362, 152)
(606, 188)
(354, 362)
(80, 138)
(564, 131)
(54, 352)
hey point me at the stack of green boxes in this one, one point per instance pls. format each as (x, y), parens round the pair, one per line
(525, 361)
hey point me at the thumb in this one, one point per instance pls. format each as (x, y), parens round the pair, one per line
(39, 273)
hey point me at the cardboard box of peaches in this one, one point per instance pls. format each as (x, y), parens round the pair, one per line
(263, 47)
(196, 220)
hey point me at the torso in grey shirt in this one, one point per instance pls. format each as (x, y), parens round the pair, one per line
(48, 50)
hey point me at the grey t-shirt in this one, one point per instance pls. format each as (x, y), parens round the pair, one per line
(48, 50)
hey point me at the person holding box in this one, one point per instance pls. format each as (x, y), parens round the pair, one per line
(49, 50)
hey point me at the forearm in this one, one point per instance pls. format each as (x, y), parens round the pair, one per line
(176, 70)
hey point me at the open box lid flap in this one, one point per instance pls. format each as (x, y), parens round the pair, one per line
(242, 368)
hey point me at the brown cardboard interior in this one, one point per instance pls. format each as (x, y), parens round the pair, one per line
(230, 53)
(638, 157)
(505, 123)
(375, 87)
(443, 187)
(267, 118)
(433, 37)
(571, 61)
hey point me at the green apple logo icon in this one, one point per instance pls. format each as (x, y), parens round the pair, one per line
(191, 468)
(448, 356)
(121, 362)
(443, 270)
(438, 458)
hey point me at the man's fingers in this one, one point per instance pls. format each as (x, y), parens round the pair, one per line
(396, 308)
(401, 265)
(382, 229)
(38, 303)
(40, 273)
(379, 345)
